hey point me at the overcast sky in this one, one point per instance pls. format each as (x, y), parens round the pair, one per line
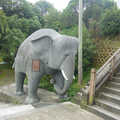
(58, 4)
(61, 4)
(119, 3)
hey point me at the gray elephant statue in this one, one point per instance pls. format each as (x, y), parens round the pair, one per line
(42, 53)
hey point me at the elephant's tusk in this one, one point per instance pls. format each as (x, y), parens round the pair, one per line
(63, 73)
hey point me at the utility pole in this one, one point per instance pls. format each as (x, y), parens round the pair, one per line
(12, 4)
(1, 5)
(80, 70)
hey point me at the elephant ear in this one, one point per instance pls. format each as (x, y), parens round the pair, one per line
(42, 45)
(42, 42)
(41, 48)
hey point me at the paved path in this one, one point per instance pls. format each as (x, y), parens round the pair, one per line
(49, 107)
(46, 97)
(61, 111)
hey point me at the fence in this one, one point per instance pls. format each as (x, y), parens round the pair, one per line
(98, 78)
(104, 51)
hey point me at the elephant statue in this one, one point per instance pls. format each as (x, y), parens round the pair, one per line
(45, 52)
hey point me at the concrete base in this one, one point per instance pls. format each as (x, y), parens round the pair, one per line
(49, 107)
(62, 111)
(46, 97)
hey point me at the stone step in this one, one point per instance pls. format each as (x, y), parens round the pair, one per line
(117, 74)
(110, 97)
(112, 90)
(114, 84)
(109, 106)
(116, 79)
(103, 113)
(4, 112)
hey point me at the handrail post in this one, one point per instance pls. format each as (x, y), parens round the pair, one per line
(92, 86)
(112, 66)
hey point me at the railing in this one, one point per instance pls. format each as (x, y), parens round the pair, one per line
(101, 76)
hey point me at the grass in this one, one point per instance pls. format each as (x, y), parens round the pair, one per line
(86, 77)
(6, 75)
(1, 60)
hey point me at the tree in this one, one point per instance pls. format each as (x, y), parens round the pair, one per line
(20, 7)
(17, 21)
(105, 4)
(92, 13)
(110, 23)
(3, 27)
(9, 6)
(52, 20)
(69, 16)
(29, 25)
(43, 7)
(89, 50)
(25, 10)
(3, 22)
(95, 9)
(12, 39)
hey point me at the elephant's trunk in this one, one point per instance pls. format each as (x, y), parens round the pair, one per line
(65, 77)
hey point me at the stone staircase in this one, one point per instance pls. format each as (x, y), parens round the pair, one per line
(107, 102)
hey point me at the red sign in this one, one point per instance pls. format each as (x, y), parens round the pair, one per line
(36, 65)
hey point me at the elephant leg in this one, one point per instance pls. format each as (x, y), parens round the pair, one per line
(19, 77)
(33, 83)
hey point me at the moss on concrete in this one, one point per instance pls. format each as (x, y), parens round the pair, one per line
(7, 99)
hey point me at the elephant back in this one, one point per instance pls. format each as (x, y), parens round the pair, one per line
(43, 33)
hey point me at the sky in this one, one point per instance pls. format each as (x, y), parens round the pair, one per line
(61, 4)
(119, 3)
(58, 4)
